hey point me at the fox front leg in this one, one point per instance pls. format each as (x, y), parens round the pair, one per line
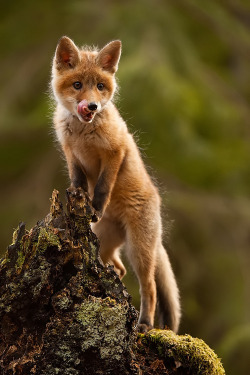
(106, 181)
(78, 177)
(101, 195)
(76, 173)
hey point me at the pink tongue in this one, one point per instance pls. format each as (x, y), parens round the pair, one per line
(82, 107)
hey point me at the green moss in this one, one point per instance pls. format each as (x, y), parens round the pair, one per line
(21, 254)
(46, 239)
(190, 352)
(20, 259)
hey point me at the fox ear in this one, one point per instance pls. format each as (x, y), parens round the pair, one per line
(67, 54)
(108, 58)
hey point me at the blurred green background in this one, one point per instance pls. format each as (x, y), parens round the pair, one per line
(184, 82)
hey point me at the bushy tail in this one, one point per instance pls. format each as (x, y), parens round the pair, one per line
(167, 292)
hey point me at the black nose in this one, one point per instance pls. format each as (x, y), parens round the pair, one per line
(92, 106)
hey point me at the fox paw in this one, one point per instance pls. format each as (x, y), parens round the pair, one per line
(144, 328)
(96, 216)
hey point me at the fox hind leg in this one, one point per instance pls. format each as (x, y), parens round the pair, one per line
(141, 252)
(118, 265)
(111, 236)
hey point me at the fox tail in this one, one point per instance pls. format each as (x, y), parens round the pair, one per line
(169, 311)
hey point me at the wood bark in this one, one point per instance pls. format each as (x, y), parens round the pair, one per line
(63, 312)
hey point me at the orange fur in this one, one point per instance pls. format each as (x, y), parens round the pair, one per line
(103, 158)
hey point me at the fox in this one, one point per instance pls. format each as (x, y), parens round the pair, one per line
(104, 160)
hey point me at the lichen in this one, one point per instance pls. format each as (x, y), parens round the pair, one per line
(14, 236)
(47, 239)
(69, 313)
(191, 353)
(93, 250)
(3, 261)
(103, 320)
(62, 301)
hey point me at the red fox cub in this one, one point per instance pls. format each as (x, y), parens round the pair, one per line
(103, 159)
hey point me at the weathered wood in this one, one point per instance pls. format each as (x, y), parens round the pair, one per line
(63, 312)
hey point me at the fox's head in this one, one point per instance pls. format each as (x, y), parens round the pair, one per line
(83, 80)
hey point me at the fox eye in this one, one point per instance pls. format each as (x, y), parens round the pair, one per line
(100, 86)
(77, 85)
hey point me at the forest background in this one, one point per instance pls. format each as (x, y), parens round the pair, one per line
(184, 81)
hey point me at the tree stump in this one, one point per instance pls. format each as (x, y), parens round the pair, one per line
(63, 312)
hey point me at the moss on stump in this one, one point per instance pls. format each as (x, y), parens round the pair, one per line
(189, 355)
(63, 312)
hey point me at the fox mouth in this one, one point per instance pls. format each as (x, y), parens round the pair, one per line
(84, 112)
(88, 117)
